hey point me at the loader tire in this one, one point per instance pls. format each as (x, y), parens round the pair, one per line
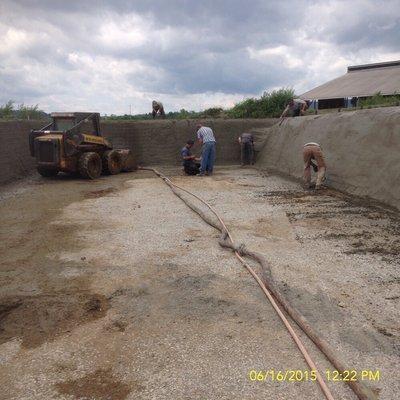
(112, 162)
(89, 165)
(47, 172)
(129, 163)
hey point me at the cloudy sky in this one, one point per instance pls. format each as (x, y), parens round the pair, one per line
(107, 55)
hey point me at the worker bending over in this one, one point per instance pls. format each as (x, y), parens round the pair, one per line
(206, 138)
(246, 148)
(158, 108)
(313, 151)
(190, 166)
(296, 107)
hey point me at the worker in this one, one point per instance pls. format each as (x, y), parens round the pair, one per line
(313, 151)
(246, 142)
(190, 166)
(296, 107)
(205, 136)
(158, 108)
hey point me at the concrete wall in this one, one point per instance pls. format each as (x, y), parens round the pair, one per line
(159, 142)
(362, 150)
(153, 142)
(15, 159)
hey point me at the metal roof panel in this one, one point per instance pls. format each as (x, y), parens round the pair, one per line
(359, 83)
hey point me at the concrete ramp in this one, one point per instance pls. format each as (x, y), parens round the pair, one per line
(362, 150)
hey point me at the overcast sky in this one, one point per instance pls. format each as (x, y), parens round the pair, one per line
(106, 55)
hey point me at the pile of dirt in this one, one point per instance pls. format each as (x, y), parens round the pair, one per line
(99, 385)
(42, 318)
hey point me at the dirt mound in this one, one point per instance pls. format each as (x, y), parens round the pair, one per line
(37, 319)
(99, 385)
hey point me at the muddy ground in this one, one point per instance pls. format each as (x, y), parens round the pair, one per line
(114, 289)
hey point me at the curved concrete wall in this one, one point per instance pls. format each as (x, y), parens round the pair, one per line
(153, 142)
(160, 141)
(362, 150)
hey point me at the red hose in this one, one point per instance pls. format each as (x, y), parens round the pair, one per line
(285, 321)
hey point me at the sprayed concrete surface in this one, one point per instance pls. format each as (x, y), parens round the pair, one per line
(361, 149)
(114, 289)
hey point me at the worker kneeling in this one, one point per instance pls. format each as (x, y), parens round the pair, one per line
(313, 151)
(190, 166)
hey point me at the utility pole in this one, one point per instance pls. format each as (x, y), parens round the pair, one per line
(130, 109)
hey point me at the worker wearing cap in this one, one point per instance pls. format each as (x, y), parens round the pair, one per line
(246, 142)
(190, 166)
(206, 138)
(313, 151)
(296, 107)
(158, 108)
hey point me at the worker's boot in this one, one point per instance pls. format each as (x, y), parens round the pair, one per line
(307, 185)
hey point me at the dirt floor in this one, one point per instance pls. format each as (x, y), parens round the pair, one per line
(114, 289)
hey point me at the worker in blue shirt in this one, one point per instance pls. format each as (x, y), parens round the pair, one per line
(190, 166)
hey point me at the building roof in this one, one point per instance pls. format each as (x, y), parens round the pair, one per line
(360, 81)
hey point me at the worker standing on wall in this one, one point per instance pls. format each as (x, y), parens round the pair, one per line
(190, 166)
(246, 142)
(158, 108)
(313, 151)
(206, 138)
(296, 107)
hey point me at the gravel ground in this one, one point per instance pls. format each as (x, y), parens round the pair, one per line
(114, 289)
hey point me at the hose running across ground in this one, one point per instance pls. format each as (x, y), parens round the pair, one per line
(273, 294)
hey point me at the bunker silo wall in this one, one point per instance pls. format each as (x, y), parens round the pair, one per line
(153, 142)
(362, 150)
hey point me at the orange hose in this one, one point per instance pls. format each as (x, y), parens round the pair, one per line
(285, 321)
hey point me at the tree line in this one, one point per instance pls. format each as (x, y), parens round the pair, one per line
(10, 110)
(270, 104)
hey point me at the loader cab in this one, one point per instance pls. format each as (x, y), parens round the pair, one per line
(88, 123)
(63, 123)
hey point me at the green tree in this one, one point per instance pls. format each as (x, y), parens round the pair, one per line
(7, 110)
(28, 112)
(379, 100)
(268, 105)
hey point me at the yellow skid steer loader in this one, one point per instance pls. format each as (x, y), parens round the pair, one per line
(73, 143)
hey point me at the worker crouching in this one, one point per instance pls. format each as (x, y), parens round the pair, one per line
(158, 109)
(313, 151)
(190, 166)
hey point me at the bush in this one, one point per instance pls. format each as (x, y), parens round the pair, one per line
(379, 100)
(7, 111)
(214, 112)
(269, 105)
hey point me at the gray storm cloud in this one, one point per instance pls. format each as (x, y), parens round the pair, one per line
(105, 55)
